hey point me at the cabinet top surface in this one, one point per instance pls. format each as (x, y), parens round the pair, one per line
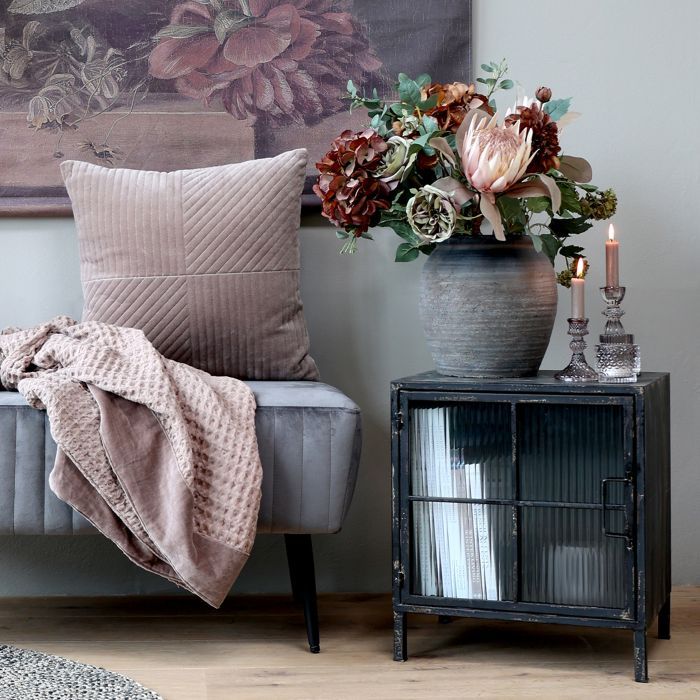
(543, 382)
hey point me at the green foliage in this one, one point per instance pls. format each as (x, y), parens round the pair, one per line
(571, 251)
(557, 108)
(409, 90)
(598, 205)
(496, 79)
(550, 246)
(569, 227)
(537, 204)
(550, 231)
(406, 253)
(569, 197)
(514, 216)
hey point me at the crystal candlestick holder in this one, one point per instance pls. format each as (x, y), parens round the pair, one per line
(617, 356)
(578, 369)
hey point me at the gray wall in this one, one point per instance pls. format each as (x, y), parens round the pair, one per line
(631, 68)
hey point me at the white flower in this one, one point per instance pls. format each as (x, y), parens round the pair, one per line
(495, 157)
(431, 214)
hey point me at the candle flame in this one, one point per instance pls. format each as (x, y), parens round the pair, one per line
(580, 267)
(611, 233)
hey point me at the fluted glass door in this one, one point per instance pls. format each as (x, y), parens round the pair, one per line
(575, 488)
(461, 491)
(522, 498)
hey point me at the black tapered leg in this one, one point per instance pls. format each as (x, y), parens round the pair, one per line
(400, 646)
(664, 622)
(641, 674)
(300, 557)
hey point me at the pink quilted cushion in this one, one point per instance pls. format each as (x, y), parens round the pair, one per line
(205, 262)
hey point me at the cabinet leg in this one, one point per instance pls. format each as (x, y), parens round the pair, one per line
(400, 647)
(641, 674)
(664, 622)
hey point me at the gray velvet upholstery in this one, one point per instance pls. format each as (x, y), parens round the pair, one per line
(309, 441)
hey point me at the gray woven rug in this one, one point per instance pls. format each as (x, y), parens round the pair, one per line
(30, 675)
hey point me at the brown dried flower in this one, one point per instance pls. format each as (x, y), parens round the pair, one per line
(454, 101)
(545, 136)
(351, 197)
(543, 94)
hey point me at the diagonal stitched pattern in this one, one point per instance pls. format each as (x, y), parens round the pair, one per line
(240, 220)
(156, 305)
(148, 240)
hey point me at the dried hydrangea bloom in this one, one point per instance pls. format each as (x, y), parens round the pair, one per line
(352, 197)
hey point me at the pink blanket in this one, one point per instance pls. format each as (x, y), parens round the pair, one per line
(162, 458)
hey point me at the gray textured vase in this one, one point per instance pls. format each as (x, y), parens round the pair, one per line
(488, 308)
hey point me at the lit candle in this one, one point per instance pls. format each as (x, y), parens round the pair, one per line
(612, 259)
(578, 288)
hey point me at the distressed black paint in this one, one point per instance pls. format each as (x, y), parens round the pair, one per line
(646, 504)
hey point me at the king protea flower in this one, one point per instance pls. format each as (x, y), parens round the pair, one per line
(494, 156)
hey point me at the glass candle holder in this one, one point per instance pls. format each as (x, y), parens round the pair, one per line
(578, 370)
(618, 357)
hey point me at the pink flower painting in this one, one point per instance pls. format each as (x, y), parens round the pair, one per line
(171, 84)
(279, 61)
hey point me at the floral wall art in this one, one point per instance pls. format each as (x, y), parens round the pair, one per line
(167, 84)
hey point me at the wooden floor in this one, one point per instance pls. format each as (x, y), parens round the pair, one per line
(255, 648)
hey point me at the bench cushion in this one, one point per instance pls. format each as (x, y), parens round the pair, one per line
(309, 442)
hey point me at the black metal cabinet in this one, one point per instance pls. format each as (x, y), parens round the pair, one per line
(532, 500)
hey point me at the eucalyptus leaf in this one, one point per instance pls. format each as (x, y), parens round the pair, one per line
(423, 140)
(486, 68)
(557, 108)
(430, 124)
(39, 7)
(406, 252)
(342, 235)
(409, 91)
(429, 103)
(423, 79)
(506, 84)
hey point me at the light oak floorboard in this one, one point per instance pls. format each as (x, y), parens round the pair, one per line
(255, 647)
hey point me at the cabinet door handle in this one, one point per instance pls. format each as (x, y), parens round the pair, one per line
(604, 502)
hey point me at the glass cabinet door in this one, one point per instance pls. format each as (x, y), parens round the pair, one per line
(576, 455)
(461, 457)
(524, 499)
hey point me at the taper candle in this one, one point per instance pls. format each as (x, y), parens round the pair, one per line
(578, 289)
(612, 259)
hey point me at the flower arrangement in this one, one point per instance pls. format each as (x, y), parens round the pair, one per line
(439, 161)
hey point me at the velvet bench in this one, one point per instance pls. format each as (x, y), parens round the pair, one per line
(309, 437)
